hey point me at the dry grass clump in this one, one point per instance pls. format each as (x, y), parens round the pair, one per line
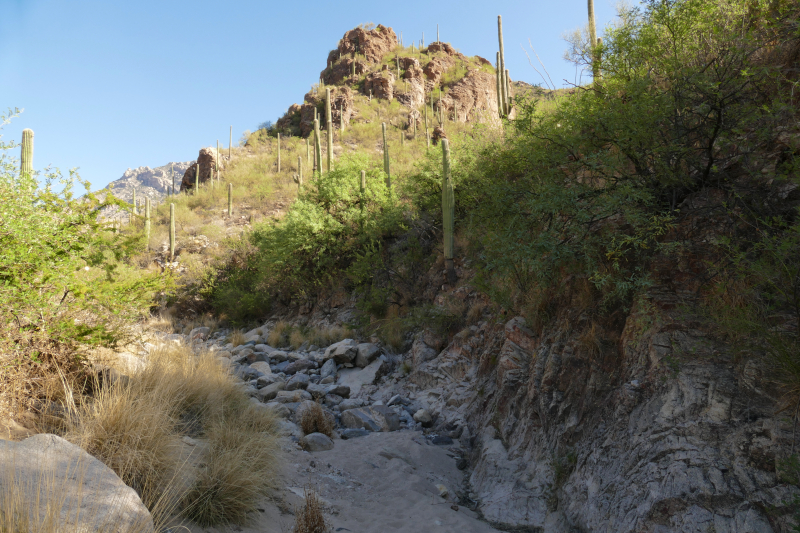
(135, 428)
(278, 336)
(239, 467)
(237, 338)
(309, 517)
(314, 420)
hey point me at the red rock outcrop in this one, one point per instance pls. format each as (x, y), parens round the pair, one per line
(438, 133)
(208, 165)
(342, 70)
(372, 44)
(446, 48)
(435, 68)
(380, 84)
(474, 97)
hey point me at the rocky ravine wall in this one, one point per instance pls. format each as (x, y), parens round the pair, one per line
(663, 433)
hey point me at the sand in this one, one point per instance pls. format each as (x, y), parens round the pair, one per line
(379, 483)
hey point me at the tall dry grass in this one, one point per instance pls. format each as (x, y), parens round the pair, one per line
(135, 427)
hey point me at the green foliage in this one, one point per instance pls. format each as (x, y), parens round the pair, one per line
(62, 270)
(328, 229)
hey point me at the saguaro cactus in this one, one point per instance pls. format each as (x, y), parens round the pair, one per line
(428, 137)
(147, 222)
(308, 151)
(329, 124)
(135, 211)
(448, 212)
(508, 93)
(197, 177)
(504, 96)
(230, 199)
(499, 80)
(317, 147)
(26, 155)
(171, 232)
(300, 172)
(386, 157)
(593, 40)
(279, 152)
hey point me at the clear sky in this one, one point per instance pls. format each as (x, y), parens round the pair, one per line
(110, 85)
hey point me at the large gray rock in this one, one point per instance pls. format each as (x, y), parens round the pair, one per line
(270, 391)
(351, 403)
(87, 495)
(374, 418)
(352, 433)
(355, 378)
(278, 409)
(298, 365)
(367, 352)
(423, 417)
(343, 352)
(292, 396)
(339, 390)
(262, 367)
(328, 369)
(421, 352)
(317, 391)
(298, 381)
(316, 442)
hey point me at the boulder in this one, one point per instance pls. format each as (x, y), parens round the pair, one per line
(86, 494)
(340, 390)
(423, 417)
(262, 367)
(270, 391)
(208, 165)
(374, 418)
(298, 381)
(199, 334)
(279, 356)
(292, 396)
(317, 391)
(355, 378)
(342, 352)
(267, 380)
(421, 352)
(300, 364)
(328, 369)
(327, 381)
(316, 442)
(332, 400)
(278, 409)
(367, 352)
(289, 429)
(351, 404)
(246, 373)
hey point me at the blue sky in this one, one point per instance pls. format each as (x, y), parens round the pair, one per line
(110, 85)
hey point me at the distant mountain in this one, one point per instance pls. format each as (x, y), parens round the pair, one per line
(154, 183)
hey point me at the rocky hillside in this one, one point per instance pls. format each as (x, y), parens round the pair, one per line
(373, 64)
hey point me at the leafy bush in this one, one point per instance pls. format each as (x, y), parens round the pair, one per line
(324, 231)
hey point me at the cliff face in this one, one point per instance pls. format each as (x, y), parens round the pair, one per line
(154, 183)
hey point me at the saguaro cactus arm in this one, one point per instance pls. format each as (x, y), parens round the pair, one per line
(329, 124)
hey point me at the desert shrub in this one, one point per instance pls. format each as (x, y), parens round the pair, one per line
(309, 517)
(314, 420)
(64, 278)
(323, 231)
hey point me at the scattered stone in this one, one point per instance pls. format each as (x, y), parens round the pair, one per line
(279, 356)
(326, 381)
(375, 418)
(441, 440)
(328, 369)
(351, 404)
(367, 352)
(332, 400)
(264, 348)
(278, 409)
(297, 381)
(317, 391)
(342, 352)
(270, 391)
(443, 492)
(423, 417)
(358, 419)
(262, 367)
(352, 433)
(358, 377)
(316, 442)
(269, 379)
(199, 334)
(247, 373)
(300, 364)
(289, 429)
(292, 396)
(340, 390)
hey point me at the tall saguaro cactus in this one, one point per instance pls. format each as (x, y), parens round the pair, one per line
(386, 158)
(329, 124)
(147, 222)
(448, 212)
(308, 151)
(172, 232)
(230, 200)
(197, 177)
(317, 147)
(499, 80)
(135, 211)
(299, 172)
(26, 155)
(279, 152)
(503, 95)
